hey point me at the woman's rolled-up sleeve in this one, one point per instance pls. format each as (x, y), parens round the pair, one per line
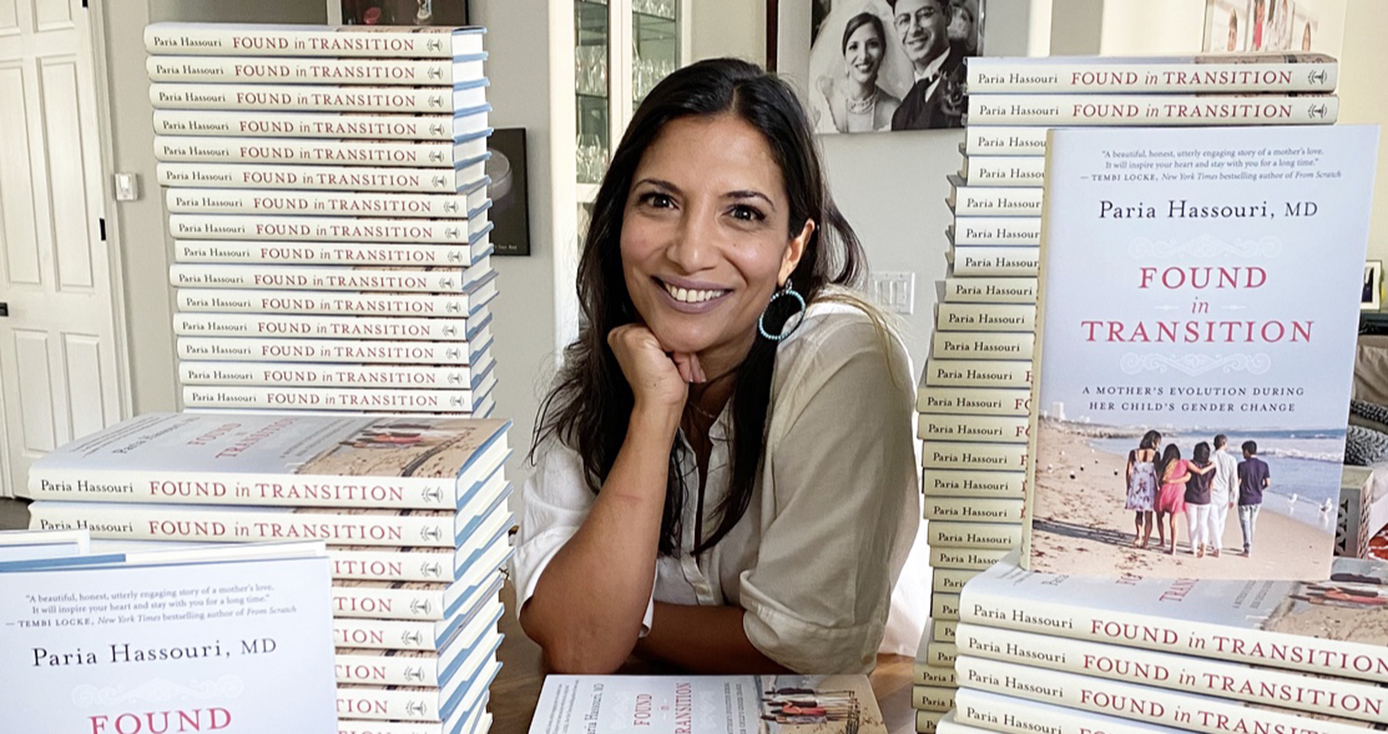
(555, 502)
(839, 507)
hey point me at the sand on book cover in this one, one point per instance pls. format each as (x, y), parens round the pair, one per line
(1196, 283)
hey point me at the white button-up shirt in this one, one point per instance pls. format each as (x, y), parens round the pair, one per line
(832, 516)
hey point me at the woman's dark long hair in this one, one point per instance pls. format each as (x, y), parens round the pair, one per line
(589, 407)
(1170, 456)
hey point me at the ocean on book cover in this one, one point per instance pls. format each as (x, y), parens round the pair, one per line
(1194, 284)
(733, 704)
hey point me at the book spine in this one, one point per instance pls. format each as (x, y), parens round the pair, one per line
(391, 564)
(943, 631)
(324, 350)
(327, 327)
(347, 278)
(995, 261)
(991, 428)
(1014, 715)
(1107, 110)
(1152, 630)
(295, 228)
(333, 178)
(1254, 684)
(996, 201)
(217, 300)
(944, 606)
(346, 41)
(382, 670)
(323, 398)
(291, 374)
(315, 203)
(933, 675)
(941, 654)
(372, 603)
(997, 231)
(951, 581)
(990, 345)
(950, 534)
(325, 253)
(990, 290)
(973, 400)
(1095, 75)
(965, 558)
(299, 70)
(932, 698)
(973, 509)
(974, 455)
(154, 522)
(213, 488)
(1004, 171)
(296, 98)
(930, 722)
(255, 124)
(992, 484)
(985, 140)
(384, 634)
(986, 317)
(1144, 703)
(193, 149)
(977, 373)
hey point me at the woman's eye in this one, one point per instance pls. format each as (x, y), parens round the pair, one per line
(657, 200)
(747, 213)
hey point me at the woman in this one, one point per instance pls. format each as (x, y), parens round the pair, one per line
(725, 479)
(854, 103)
(1197, 501)
(1141, 480)
(1171, 496)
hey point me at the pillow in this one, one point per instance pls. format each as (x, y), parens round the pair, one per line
(1371, 369)
(1365, 446)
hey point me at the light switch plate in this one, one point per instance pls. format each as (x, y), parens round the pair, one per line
(895, 291)
(127, 186)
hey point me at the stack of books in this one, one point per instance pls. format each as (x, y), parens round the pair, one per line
(1044, 652)
(975, 396)
(328, 204)
(413, 512)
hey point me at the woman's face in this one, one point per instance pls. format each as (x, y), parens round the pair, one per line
(863, 54)
(961, 24)
(704, 237)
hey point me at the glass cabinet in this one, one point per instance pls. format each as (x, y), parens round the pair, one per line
(622, 48)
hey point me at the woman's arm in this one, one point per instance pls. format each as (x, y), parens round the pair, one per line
(704, 640)
(587, 607)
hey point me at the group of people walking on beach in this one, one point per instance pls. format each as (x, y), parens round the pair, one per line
(1162, 486)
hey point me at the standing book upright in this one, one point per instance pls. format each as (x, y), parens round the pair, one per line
(1196, 286)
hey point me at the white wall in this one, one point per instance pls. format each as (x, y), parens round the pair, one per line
(734, 28)
(1364, 98)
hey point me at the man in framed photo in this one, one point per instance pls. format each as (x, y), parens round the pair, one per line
(936, 99)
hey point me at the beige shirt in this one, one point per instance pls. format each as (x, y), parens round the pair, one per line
(832, 516)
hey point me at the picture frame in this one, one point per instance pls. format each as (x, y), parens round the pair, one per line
(510, 211)
(1370, 299)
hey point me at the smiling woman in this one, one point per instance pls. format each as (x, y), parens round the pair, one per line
(725, 474)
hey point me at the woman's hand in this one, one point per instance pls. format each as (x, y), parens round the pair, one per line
(658, 378)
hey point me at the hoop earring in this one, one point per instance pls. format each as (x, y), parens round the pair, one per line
(786, 290)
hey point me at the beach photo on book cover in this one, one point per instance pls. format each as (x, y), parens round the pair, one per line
(401, 447)
(1099, 492)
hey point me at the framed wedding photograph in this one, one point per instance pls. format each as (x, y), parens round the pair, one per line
(886, 65)
(1371, 297)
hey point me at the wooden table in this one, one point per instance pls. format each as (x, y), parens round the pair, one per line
(516, 689)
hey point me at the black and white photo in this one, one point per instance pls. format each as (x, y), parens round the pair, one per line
(890, 64)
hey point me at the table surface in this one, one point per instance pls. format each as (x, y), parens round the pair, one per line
(516, 689)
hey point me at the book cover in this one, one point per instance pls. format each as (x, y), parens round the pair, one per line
(267, 460)
(1257, 73)
(682, 704)
(1174, 300)
(269, 39)
(299, 97)
(1334, 626)
(156, 647)
(334, 178)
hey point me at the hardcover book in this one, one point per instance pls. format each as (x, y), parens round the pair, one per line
(447, 126)
(682, 704)
(1174, 310)
(247, 39)
(333, 178)
(335, 350)
(408, 72)
(1109, 110)
(410, 154)
(1254, 73)
(299, 97)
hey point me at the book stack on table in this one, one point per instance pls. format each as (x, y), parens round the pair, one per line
(413, 512)
(1046, 652)
(328, 201)
(975, 396)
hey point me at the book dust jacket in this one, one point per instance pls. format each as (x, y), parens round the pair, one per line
(1195, 284)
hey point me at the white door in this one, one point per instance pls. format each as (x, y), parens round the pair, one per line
(58, 370)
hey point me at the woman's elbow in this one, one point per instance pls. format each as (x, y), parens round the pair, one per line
(571, 652)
